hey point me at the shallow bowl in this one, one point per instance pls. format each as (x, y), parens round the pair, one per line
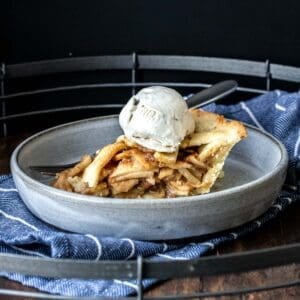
(254, 173)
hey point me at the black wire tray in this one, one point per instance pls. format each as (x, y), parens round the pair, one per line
(141, 268)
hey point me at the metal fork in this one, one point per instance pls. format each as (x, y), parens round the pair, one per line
(52, 170)
(204, 97)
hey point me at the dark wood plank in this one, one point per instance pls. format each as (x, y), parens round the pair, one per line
(13, 285)
(257, 278)
(7, 146)
(176, 287)
(282, 230)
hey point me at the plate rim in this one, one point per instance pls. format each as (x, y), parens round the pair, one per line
(69, 196)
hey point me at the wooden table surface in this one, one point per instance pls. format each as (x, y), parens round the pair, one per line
(285, 229)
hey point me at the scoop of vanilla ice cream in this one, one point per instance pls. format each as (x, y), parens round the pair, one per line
(157, 118)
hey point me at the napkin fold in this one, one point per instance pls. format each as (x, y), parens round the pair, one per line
(276, 112)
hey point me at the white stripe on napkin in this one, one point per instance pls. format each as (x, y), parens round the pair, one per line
(279, 107)
(7, 190)
(258, 223)
(171, 257)
(251, 115)
(297, 144)
(126, 283)
(18, 220)
(132, 253)
(289, 199)
(28, 251)
(234, 235)
(165, 248)
(277, 206)
(292, 187)
(99, 246)
(211, 245)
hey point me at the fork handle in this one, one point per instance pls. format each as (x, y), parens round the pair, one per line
(212, 94)
(52, 170)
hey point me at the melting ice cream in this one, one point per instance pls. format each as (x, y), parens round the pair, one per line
(157, 118)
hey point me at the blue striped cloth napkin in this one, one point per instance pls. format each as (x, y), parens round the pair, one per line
(22, 233)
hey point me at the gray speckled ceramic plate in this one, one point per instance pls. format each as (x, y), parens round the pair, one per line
(254, 173)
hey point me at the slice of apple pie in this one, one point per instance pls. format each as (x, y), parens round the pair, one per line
(126, 170)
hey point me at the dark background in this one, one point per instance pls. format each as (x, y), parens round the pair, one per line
(37, 30)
